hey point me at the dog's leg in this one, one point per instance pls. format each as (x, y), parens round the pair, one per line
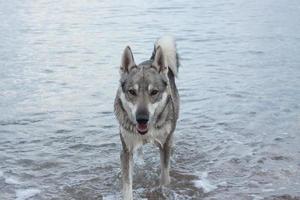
(126, 165)
(165, 153)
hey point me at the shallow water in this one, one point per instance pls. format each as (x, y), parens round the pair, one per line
(238, 132)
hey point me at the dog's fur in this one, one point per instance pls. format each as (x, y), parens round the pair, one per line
(147, 107)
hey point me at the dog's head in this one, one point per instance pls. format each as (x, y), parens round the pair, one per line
(144, 90)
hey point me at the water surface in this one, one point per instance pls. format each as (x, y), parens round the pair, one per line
(239, 81)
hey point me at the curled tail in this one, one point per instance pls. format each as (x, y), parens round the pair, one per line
(168, 46)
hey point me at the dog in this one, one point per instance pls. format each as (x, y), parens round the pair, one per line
(147, 107)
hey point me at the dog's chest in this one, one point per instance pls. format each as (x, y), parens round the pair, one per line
(155, 136)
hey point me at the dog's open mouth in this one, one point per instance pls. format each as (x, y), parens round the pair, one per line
(142, 128)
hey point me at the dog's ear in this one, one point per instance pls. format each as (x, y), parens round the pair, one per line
(127, 60)
(159, 61)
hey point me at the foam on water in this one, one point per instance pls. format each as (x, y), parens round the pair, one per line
(12, 181)
(204, 183)
(24, 194)
(268, 190)
(256, 197)
(112, 197)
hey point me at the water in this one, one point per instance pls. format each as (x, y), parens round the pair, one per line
(238, 132)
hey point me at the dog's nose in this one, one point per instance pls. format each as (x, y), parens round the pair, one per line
(142, 119)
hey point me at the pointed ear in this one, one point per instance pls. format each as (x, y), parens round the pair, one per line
(159, 60)
(127, 60)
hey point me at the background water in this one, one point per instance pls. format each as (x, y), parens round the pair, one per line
(238, 132)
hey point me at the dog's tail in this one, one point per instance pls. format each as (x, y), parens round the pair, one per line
(171, 58)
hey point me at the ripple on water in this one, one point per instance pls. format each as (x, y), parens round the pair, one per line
(45, 165)
(25, 162)
(23, 194)
(23, 122)
(62, 131)
(92, 147)
(12, 180)
(239, 90)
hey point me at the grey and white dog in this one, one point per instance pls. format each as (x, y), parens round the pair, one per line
(147, 107)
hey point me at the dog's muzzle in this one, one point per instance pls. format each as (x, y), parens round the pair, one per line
(142, 124)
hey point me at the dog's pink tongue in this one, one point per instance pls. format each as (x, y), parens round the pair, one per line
(142, 128)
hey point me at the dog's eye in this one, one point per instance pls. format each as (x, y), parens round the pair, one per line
(132, 92)
(154, 92)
